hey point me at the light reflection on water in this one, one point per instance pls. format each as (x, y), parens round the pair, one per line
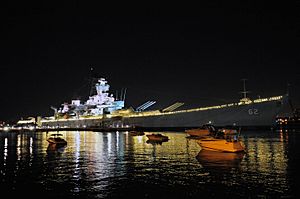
(114, 164)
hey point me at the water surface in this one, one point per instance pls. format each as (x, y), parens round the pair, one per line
(119, 165)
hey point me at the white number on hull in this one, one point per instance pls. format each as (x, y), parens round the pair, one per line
(253, 111)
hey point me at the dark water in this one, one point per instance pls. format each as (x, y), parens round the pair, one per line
(119, 165)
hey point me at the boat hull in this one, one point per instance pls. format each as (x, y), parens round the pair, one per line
(221, 145)
(256, 114)
(157, 137)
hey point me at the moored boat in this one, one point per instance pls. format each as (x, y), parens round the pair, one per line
(225, 140)
(157, 137)
(198, 132)
(56, 138)
(216, 144)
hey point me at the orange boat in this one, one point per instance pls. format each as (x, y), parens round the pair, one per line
(224, 145)
(205, 130)
(225, 140)
(157, 137)
(198, 132)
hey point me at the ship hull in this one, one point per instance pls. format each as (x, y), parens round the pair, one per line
(261, 114)
(247, 115)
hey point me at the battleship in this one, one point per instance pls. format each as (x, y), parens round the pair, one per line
(103, 110)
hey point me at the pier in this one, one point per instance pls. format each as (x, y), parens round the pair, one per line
(46, 129)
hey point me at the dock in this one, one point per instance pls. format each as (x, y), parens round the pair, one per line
(45, 129)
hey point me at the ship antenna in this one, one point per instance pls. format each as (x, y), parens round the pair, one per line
(244, 88)
(288, 89)
(124, 94)
(93, 81)
(244, 92)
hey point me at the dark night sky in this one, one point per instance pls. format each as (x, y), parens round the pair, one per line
(197, 56)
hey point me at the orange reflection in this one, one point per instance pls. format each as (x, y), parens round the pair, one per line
(208, 158)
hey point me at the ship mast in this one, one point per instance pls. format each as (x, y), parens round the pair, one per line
(93, 81)
(244, 92)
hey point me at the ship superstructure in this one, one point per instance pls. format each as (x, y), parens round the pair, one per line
(101, 103)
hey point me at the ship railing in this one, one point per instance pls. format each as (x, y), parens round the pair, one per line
(152, 113)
